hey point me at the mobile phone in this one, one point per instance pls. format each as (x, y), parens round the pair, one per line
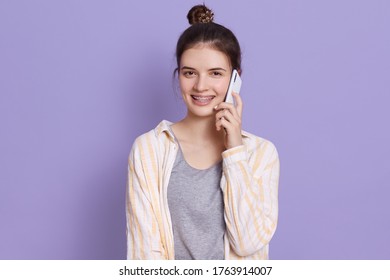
(234, 85)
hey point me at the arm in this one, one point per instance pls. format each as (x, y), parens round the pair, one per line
(250, 189)
(143, 234)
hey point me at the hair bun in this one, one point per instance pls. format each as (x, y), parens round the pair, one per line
(200, 14)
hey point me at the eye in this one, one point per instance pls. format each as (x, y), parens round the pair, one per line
(216, 73)
(188, 73)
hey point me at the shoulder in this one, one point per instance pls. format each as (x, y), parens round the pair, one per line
(256, 144)
(151, 139)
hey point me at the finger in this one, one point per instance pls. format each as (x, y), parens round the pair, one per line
(228, 116)
(229, 107)
(224, 105)
(220, 114)
(224, 123)
(218, 124)
(229, 125)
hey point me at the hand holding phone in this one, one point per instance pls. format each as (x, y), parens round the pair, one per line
(234, 86)
(229, 118)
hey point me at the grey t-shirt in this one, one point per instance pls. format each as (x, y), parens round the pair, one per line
(196, 205)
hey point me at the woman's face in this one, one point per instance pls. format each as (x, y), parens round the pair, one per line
(204, 76)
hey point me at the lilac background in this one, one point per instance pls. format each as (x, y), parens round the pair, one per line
(79, 80)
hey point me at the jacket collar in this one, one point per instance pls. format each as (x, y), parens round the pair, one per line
(164, 126)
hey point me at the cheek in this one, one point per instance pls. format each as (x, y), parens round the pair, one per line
(185, 84)
(222, 86)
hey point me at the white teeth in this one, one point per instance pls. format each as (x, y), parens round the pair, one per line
(202, 98)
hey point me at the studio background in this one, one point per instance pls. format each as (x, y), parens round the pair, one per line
(79, 80)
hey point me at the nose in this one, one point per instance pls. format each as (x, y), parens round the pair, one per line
(201, 84)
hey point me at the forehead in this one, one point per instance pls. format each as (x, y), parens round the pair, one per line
(203, 56)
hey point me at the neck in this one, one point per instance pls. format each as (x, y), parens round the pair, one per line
(204, 127)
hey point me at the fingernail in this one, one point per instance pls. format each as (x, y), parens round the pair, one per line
(215, 107)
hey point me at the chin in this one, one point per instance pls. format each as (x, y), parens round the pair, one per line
(203, 113)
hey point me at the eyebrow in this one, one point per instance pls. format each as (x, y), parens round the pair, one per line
(212, 69)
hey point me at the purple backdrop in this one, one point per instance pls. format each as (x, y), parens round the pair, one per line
(79, 80)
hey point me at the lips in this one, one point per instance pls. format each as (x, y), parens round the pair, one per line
(202, 100)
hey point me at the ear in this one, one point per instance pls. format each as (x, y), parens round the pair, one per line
(239, 71)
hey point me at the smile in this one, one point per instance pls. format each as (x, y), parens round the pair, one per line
(202, 100)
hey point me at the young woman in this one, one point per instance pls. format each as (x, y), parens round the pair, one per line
(202, 188)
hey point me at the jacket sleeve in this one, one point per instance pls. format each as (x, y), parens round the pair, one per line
(143, 234)
(250, 189)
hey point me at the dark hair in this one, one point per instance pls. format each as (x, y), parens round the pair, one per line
(204, 30)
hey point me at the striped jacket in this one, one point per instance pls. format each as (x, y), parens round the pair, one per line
(250, 192)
